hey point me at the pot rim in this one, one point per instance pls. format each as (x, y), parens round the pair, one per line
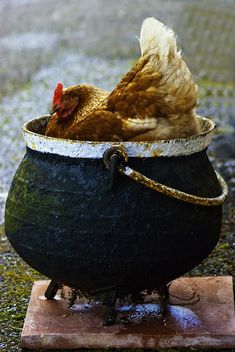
(91, 149)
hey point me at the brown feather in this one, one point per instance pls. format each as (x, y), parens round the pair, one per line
(153, 89)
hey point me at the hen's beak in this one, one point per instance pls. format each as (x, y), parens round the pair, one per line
(54, 108)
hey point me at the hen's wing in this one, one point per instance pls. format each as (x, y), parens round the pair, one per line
(153, 89)
(126, 112)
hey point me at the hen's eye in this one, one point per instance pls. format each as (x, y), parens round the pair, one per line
(66, 99)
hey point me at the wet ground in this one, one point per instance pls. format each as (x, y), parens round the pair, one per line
(70, 43)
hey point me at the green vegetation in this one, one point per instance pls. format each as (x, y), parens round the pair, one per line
(16, 279)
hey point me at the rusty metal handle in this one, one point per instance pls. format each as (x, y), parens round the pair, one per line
(166, 190)
(174, 193)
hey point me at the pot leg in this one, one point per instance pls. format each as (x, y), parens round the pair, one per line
(163, 293)
(52, 289)
(74, 296)
(111, 313)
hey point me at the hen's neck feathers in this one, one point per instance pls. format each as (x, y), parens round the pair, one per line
(89, 97)
(84, 92)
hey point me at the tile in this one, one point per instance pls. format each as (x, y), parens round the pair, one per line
(200, 314)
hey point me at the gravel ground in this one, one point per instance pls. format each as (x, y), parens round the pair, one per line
(89, 42)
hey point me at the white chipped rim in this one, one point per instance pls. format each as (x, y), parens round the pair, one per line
(90, 149)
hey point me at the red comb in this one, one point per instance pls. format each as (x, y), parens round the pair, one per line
(57, 93)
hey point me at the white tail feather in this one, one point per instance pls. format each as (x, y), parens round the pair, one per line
(156, 38)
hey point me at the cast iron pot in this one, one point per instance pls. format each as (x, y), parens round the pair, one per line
(63, 219)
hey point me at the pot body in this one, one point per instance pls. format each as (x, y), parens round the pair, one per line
(64, 221)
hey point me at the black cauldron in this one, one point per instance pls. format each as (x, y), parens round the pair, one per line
(63, 219)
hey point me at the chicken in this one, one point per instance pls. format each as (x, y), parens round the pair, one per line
(70, 106)
(155, 100)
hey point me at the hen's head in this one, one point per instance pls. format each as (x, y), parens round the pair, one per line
(64, 103)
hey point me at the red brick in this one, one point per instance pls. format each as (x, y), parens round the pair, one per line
(200, 314)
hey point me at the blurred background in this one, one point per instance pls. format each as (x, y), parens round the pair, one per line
(43, 42)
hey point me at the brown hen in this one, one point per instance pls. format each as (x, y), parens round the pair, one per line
(155, 100)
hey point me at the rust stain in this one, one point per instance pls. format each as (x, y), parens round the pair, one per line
(147, 146)
(33, 146)
(156, 153)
